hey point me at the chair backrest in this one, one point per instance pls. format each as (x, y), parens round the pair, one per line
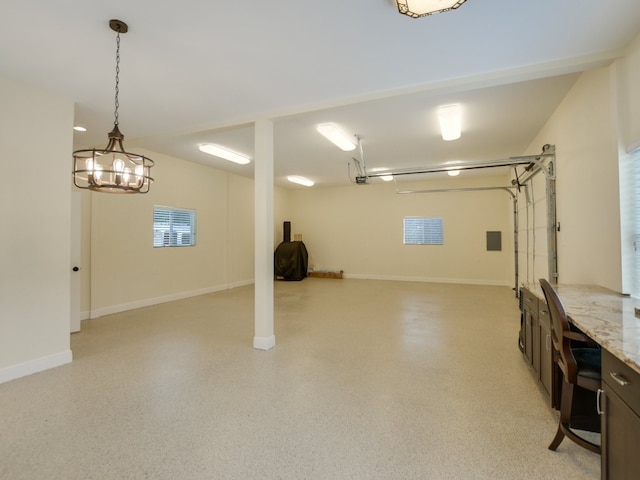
(560, 324)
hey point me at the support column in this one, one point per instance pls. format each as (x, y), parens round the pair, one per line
(264, 338)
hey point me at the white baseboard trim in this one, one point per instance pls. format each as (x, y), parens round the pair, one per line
(397, 278)
(147, 302)
(241, 283)
(264, 343)
(34, 366)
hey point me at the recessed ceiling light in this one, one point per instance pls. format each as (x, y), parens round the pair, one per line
(337, 136)
(450, 121)
(218, 151)
(453, 173)
(387, 178)
(300, 180)
(78, 128)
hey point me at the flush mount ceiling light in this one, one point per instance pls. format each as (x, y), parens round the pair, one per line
(112, 169)
(300, 180)
(422, 8)
(337, 136)
(453, 170)
(450, 121)
(218, 151)
(386, 178)
(78, 128)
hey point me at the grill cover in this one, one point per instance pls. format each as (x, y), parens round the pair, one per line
(290, 261)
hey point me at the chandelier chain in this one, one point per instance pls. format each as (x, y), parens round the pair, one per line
(115, 113)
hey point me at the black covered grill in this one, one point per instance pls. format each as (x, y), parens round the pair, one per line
(290, 259)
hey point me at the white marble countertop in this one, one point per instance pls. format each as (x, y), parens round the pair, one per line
(606, 316)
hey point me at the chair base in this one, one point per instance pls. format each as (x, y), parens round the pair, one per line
(565, 431)
(572, 415)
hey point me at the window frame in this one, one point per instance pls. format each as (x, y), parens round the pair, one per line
(432, 233)
(180, 222)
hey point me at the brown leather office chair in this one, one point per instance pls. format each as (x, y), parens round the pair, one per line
(578, 357)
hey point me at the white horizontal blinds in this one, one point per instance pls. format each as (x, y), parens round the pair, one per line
(173, 227)
(423, 231)
(635, 287)
(635, 208)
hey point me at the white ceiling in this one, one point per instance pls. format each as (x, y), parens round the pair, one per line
(202, 71)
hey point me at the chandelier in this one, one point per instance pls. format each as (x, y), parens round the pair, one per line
(112, 169)
(422, 8)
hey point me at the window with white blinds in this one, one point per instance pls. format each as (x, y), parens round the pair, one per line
(173, 227)
(422, 231)
(635, 220)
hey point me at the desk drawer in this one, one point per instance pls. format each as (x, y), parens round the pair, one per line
(622, 379)
(529, 300)
(543, 315)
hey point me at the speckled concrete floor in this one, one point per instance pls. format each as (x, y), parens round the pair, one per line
(368, 380)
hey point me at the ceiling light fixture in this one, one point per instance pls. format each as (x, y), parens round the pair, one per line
(386, 178)
(337, 136)
(78, 128)
(300, 180)
(453, 173)
(450, 121)
(112, 169)
(422, 8)
(218, 151)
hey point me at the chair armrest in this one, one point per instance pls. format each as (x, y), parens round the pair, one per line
(580, 337)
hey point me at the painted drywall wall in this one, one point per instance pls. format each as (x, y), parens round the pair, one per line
(85, 254)
(359, 229)
(281, 213)
(35, 146)
(127, 272)
(630, 96)
(117, 232)
(240, 228)
(583, 129)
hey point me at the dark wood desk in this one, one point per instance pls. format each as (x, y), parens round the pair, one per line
(609, 319)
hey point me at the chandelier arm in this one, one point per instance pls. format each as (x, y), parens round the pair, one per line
(111, 145)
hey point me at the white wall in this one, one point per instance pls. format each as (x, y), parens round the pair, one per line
(121, 270)
(629, 98)
(240, 230)
(127, 272)
(281, 213)
(358, 229)
(35, 147)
